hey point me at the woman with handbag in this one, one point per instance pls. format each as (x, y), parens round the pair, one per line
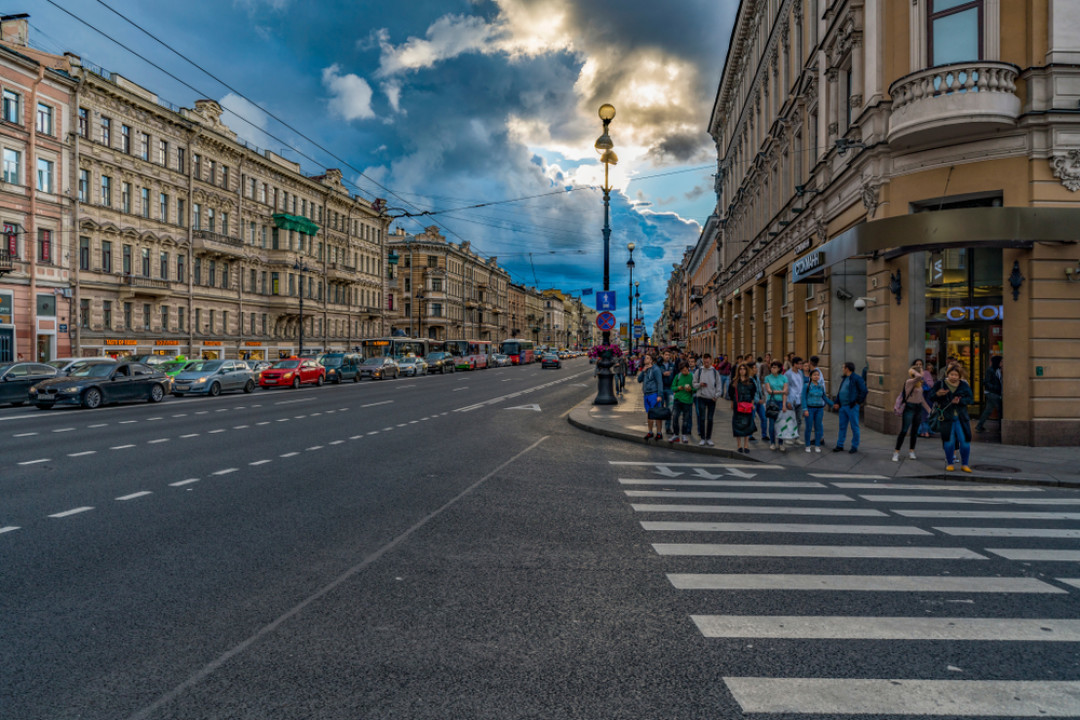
(951, 396)
(652, 385)
(743, 393)
(909, 405)
(776, 390)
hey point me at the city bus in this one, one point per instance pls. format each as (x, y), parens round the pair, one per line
(395, 347)
(469, 354)
(521, 352)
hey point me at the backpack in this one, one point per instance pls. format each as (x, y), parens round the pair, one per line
(992, 384)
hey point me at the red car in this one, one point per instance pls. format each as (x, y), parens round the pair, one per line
(292, 372)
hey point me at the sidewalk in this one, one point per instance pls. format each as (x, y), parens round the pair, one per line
(1056, 466)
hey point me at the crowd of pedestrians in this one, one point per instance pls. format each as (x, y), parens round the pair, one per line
(785, 400)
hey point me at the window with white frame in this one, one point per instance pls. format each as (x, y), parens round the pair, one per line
(12, 107)
(45, 175)
(12, 166)
(44, 119)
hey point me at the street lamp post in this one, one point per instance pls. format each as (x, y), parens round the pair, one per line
(630, 301)
(605, 390)
(637, 298)
(301, 268)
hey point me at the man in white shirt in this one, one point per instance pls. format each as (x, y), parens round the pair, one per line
(795, 382)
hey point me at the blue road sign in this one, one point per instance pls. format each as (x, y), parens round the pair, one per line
(605, 321)
(605, 300)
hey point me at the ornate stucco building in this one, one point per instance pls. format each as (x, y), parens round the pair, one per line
(898, 180)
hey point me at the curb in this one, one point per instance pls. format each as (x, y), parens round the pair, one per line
(731, 454)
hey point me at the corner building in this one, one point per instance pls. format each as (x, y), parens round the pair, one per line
(898, 180)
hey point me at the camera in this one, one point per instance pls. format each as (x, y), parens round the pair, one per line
(860, 304)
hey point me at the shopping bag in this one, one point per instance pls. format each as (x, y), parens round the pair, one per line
(787, 427)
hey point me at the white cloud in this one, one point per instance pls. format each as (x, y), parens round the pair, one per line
(448, 37)
(351, 94)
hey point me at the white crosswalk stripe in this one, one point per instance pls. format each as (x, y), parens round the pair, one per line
(917, 575)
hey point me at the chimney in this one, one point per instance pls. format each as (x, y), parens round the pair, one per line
(15, 29)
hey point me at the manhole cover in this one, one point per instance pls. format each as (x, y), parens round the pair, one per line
(995, 468)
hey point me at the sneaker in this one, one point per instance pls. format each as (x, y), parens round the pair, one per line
(772, 446)
(817, 448)
(852, 451)
(685, 439)
(701, 443)
(950, 468)
(673, 439)
(838, 449)
(648, 437)
(896, 456)
(782, 448)
(965, 468)
(810, 449)
(911, 455)
(710, 443)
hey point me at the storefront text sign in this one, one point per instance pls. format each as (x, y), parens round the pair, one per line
(167, 343)
(975, 312)
(212, 343)
(120, 341)
(808, 263)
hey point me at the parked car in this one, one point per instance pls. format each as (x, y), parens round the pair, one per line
(292, 372)
(501, 360)
(17, 378)
(152, 360)
(440, 362)
(379, 368)
(92, 386)
(259, 365)
(412, 366)
(64, 366)
(341, 366)
(213, 377)
(550, 360)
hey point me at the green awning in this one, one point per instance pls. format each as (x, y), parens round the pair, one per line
(295, 222)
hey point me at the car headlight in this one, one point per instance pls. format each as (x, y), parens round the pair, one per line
(287, 375)
(73, 389)
(200, 381)
(33, 391)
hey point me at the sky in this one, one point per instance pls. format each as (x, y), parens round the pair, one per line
(438, 105)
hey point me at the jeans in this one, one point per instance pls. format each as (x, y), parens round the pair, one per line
(771, 427)
(705, 410)
(682, 417)
(761, 416)
(848, 416)
(912, 413)
(956, 439)
(620, 382)
(816, 419)
(993, 400)
(725, 380)
(669, 400)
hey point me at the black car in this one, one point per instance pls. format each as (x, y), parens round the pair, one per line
(17, 378)
(341, 366)
(440, 362)
(550, 360)
(94, 385)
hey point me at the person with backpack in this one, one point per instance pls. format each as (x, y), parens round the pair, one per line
(709, 387)
(992, 390)
(796, 380)
(909, 405)
(652, 389)
(850, 395)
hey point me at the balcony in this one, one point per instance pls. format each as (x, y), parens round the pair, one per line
(949, 102)
(340, 271)
(130, 286)
(217, 244)
(434, 272)
(7, 264)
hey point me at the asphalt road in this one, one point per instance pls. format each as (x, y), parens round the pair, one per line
(449, 547)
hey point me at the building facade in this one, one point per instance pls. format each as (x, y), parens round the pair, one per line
(35, 209)
(897, 181)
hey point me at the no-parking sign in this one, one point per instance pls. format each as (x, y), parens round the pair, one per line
(605, 321)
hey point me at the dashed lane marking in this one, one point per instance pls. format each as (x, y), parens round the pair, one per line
(289, 454)
(60, 430)
(336, 442)
(8, 529)
(226, 471)
(98, 425)
(384, 402)
(314, 448)
(190, 435)
(24, 434)
(258, 462)
(219, 430)
(121, 447)
(81, 454)
(73, 511)
(184, 482)
(132, 496)
(155, 442)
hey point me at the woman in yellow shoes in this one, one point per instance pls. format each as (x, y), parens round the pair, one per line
(951, 397)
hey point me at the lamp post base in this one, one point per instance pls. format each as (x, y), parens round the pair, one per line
(605, 381)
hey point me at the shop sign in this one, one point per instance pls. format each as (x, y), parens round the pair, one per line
(252, 343)
(808, 263)
(975, 312)
(121, 341)
(803, 246)
(760, 274)
(167, 343)
(211, 343)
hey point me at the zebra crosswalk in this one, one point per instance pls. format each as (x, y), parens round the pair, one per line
(985, 593)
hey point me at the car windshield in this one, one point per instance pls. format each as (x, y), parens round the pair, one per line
(58, 364)
(333, 360)
(407, 361)
(433, 356)
(373, 361)
(287, 364)
(95, 370)
(203, 366)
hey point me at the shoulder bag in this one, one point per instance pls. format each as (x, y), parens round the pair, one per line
(742, 406)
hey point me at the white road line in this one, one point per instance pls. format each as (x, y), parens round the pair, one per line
(373, 432)
(720, 483)
(184, 482)
(810, 529)
(970, 500)
(1036, 555)
(81, 454)
(290, 402)
(798, 627)
(758, 466)
(344, 409)
(289, 454)
(1075, 582)
(847, 476)
(816, 551)
(264, 422)
(34, 462)
(152, 419)
(283, 419)
(27, 434)
(240, 427)
(1009, 532)
(98, 425)
(314, 447)
(214, 432)
(336, 442)
(316, 414)
(127, 422)
(824, 497)
(226, 471)
(222, 410)
(402, 424)
(892, 697)
(460, 389)
(259, 462)
(202, 412)
(413, 422)
(299, 417)
(60, 430)
(155, 442)
(355, 437)
(190, 435)
(860, 583)
(384, 402)
(445, 414)
(132, 496)
(180, 415)
(121, 447)
(913, 486)
(9, 528)
(331, 412)
(988, 514)
(74, 511)
(387, 429)
(757, 510)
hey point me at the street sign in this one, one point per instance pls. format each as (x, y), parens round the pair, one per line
(605, 300)
(622, 330)
(638, 332)
(605, 321)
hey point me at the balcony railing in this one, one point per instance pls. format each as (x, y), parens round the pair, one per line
(216, 242)
(944, 103)
(135, 285)
(7, 263)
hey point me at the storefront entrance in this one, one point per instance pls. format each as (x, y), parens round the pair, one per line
(970, 346)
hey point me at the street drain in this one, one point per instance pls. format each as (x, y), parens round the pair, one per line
(995, 468)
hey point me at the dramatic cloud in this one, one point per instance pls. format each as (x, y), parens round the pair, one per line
(351, 94)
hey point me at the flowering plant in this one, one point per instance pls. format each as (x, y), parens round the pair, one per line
(598, 350)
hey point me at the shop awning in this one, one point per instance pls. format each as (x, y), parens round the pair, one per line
(295, 222)
(1003, 227)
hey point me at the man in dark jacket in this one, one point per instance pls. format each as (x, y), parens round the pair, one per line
(850, 394)
(667, 372)
(992, 390)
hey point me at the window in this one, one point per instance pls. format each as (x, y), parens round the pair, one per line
(84, 313)
(954, 32)
(198, 320)
(433, 261)
(211, 223)
(181, 325)
(144, 146)
(181, 160)
(212, 324)
(12, 111)
(224, 223)
(125, 197)
(146, 316)
(127, 259)
(213, 172)
(262, 195)
(45, 246)
(181, 217)
(164, 318)
(84, 253)
(275, 284)
(44, 119)
(225, 275)
(84, 186)
(12, 161)
(106, 256)
(145, 253)
(436, 284)
(225, 176)
(180, 268)
(144, 196)
(106, 313)
(196, 216)
(163, 207)
(106, 190)
(196, 163)
(164, 265)
(84, 122)
(436, 309)
(106, 131)
(163, 153)
(127, 316)
(125, 139)
(198, 271)
(45, 175)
